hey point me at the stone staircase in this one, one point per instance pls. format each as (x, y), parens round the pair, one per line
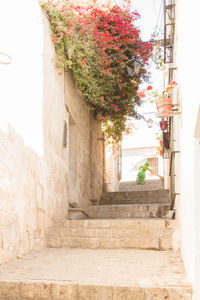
(113, 255)
(138, 204)
(122, 220)
(155, 184)
(115, 234)
(116, 211)
(135, 197)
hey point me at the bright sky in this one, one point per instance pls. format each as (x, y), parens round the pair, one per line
(151, 12)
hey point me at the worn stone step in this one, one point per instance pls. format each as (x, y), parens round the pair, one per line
(128, 211)
(77, 214)
(115, 234)
(156, 184)
(137, 197)
(150, 200)
(82, 274)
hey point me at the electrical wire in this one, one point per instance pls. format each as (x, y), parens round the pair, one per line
(159, 14)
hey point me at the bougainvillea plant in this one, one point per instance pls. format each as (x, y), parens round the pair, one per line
(96, 42)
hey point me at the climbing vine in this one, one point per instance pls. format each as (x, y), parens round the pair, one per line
(96, 43)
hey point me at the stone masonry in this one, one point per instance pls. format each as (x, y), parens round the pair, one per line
(102, 259)
(85, 274)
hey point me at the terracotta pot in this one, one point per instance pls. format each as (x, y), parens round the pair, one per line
(161, 152)
(163, 124)
(164, 107)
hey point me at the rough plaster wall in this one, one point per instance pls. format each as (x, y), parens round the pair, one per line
(111, 169)
(24, 198)
(89, 150)
(33, 180)
(54, 116)
(34, 163)
(97, 161)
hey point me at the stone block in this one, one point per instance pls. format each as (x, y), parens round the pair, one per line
(77, 232)
(124, 233)
(182, 293)
(169, 293)
(94, 293)
(104, 232)
(130, 243)
(85, 232)
(171, 224)
(38, 291)
(128, 293)
(90, 243)
(149, 243)
(10, 291)
(110, 243)
(64, 292)
(165, 243)
(127, 211)
(54, 242)
(69, 242)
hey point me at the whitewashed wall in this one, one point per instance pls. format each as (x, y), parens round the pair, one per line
(188, 64)
(34, 163)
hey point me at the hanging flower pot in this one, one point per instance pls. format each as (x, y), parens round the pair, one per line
(164, 107)
(163, 124)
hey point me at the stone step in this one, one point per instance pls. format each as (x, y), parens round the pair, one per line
(137, 197)
(128, 211)
(156, 184)
(77, 214)
(82, 274)
(156, 234)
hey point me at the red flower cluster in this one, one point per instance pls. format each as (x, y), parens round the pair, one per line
(96, 43)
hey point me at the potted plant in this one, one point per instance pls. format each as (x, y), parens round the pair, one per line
(164, 106)
(164, 101)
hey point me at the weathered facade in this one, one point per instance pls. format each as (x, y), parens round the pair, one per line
(50, 154)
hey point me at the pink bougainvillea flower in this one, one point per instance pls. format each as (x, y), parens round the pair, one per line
(115, 107)
(149, 88)
(55, 38)
(96, 43)
(141, 94)
(83, 63)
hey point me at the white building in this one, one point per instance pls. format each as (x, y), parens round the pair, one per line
(185, 133)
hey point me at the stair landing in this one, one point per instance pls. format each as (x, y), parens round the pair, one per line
(83, 274)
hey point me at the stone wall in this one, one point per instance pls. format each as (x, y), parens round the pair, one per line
(87, 150)
(29, 197)
(112, 168)
(49, 147)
